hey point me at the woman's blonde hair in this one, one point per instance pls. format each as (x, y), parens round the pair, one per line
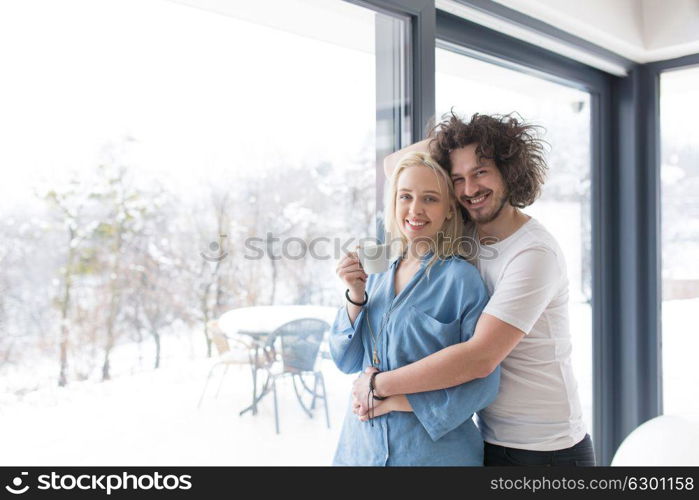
(448, 240)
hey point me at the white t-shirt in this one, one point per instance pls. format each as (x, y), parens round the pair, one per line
(538, 407)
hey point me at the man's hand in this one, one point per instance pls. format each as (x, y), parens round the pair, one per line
(360, 390)
(391, 161)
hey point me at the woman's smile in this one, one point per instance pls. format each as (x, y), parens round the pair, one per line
(416, 225)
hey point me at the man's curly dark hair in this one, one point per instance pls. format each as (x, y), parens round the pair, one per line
(513, 145)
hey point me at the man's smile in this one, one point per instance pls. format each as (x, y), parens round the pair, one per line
(476, 202)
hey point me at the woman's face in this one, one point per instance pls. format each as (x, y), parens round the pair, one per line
(422, 203)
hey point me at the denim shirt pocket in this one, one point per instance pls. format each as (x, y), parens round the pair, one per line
(425, 335)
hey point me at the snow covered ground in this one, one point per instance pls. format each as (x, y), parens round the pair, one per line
(150, 419)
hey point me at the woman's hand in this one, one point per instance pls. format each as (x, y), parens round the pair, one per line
(351, 273)
(394, 403)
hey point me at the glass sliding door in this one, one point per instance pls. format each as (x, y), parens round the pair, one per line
(679, 175)
(165, 162)
(469, 85)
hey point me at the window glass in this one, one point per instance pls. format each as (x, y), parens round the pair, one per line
(679, 174)
(164, 163)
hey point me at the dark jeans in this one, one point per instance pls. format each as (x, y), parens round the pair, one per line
(580, 454)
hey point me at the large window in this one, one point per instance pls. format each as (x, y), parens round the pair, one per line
(469, 85)
(156, 158)
(679, 173)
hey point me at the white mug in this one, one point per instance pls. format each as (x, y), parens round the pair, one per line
(374, 258)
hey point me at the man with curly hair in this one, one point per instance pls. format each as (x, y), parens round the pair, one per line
(498, 167)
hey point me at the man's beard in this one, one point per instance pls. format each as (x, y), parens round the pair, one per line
(485, 218)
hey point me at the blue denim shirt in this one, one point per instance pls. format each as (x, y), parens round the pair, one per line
(442, 310)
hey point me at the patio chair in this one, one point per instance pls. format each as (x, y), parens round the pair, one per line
(242, 354)
(300, 342)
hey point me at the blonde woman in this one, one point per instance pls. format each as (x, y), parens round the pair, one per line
(430, 298)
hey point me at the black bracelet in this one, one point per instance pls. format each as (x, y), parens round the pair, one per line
(372, 389)
(366, 298)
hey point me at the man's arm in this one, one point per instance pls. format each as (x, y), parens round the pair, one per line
(533, 278)
(390, 162)
(492, 341)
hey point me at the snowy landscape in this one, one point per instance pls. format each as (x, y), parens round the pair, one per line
(151, 418)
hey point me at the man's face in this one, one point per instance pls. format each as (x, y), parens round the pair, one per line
(479, 186)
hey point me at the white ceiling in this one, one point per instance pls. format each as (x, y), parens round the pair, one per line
(640, 30)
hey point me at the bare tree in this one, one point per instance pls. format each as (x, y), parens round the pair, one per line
(213, 227)
(68, 204)
(122, 208)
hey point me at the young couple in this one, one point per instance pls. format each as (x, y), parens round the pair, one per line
(442, 334)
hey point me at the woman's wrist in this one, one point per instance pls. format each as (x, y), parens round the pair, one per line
(356, 297)
(380, 386)
(372, 387)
